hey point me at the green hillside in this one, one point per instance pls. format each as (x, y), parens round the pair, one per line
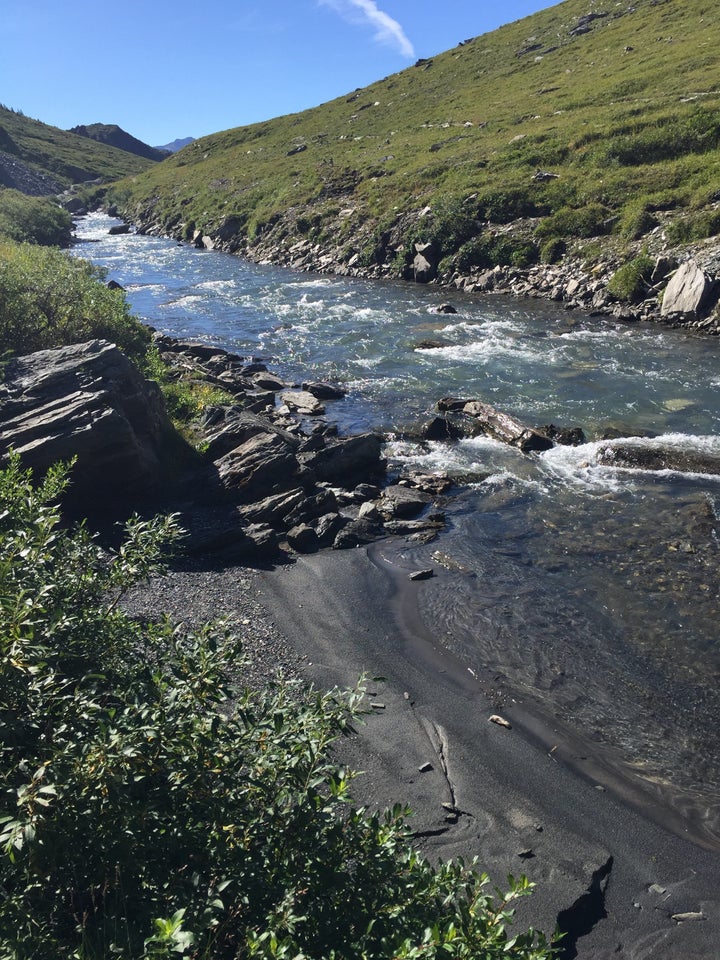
(40, 159)
(617, 105)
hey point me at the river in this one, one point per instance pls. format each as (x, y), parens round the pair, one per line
(589, 589)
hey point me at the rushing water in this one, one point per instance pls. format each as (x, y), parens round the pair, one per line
(590, 588)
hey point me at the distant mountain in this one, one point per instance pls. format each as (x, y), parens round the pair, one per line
(114, 136)
(39, 159)
(176, 145)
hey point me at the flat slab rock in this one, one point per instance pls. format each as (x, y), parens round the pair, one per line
(87, 401)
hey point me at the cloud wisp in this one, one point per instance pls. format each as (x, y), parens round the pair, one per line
(387, 30)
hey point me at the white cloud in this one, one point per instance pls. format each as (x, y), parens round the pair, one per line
(387, 30)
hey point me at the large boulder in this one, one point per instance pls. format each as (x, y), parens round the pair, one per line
(90, 402)
(688, 292)
(264, 464)
(348, 460)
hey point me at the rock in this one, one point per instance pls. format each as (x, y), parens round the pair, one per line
(323, 390)
(233, 426)
(447, 404)
(400, 502)
(268, 381)
(310, 507)
(500, 721)
(369, 511)
(86, 401)
(350, 459)
(689, 916)
(421, 575)
(424, 265)
(327, 527)
(430, 344)
(118, 230)
(443, 308)
(425, 768)
(565, 436)
(357, 533)
(441, 428)
(503, 427)
(273, 510)
(658, 457)
(302, 402)
(688, 292)
(303, 539)
(261, 464)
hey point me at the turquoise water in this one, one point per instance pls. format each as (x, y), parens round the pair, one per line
(589, 589)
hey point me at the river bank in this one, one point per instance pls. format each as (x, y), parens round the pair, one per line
(581, 278)
(621, 879)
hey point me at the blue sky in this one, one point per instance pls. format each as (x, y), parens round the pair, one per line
(164, 69)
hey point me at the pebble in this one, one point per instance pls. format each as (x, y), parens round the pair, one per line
(425, 768)
(421, 575)
(500, 721)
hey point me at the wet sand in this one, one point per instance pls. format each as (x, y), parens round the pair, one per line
(611, 860)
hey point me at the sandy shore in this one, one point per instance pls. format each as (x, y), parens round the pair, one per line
(610, 863)
(604, 861)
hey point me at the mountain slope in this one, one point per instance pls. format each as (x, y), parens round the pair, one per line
(114, 136)
(584, 118)
(40, 159)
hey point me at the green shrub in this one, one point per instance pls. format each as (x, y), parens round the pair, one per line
(630, 282)
(48, 299)
(150, 809)
(491, 250)
(553, 250)
(33, 220)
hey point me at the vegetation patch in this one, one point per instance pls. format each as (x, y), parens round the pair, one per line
(631, 282)
(150, 807)
(33, 220)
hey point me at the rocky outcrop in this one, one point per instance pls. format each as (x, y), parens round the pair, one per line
(688, 292)
(659, 456)
(90, 402)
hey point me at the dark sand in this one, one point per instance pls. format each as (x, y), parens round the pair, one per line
(608, 857)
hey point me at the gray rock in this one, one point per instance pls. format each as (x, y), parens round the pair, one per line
(688, 291)
(323, 390)
(350, 459)
(327, 527)
(272, 510)
(400, 502)
(303, 402)
(357, 533)
(303, 539)
(235, 426)
(264, 463)
(86, 401)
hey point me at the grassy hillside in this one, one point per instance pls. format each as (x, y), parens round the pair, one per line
(618, 102)
(41, 159)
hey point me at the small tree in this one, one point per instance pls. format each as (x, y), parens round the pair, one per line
(149, 809)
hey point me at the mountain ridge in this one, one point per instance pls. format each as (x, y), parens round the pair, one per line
(582, 121)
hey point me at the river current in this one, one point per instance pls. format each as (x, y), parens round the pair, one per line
(589, 590)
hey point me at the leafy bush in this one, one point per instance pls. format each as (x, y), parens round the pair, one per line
(185, 399)
(491, 250)
(630, 282)
(553, 250)
(148, 809)
(33, 220)
(48, 299)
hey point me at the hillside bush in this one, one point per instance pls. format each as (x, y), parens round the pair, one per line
(491, 250)
(630, 283)
(33, 220)
(553, 250)
(148, 808)
(48, 299)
